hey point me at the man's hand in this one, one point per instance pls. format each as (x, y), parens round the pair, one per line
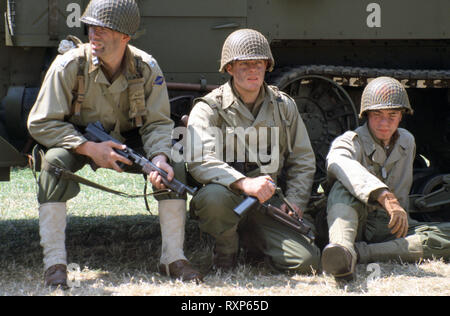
(161, 162)
(261, 187)
(103, 154)
(297, 210)
(399, 217)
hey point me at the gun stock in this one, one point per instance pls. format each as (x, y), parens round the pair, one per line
(293, 222)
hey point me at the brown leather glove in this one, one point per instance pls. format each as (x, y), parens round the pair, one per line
(399, 217)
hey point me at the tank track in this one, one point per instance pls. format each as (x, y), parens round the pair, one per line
(347, 76)
(358, 76)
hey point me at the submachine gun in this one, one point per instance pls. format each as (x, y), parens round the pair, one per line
(96, 133)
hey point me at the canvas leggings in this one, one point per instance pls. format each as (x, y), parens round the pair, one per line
(54, 191)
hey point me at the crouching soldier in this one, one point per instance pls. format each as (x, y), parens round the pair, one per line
(246, 102)
(109, 81)
(372, 170)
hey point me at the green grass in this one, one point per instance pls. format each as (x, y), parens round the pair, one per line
(107, 233)
(102, 229)
(18, 197)
(116, 244)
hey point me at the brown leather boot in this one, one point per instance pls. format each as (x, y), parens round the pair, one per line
(339, 262)
(56, 276)
(181, 269)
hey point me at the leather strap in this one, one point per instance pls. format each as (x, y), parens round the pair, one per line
(68, 175)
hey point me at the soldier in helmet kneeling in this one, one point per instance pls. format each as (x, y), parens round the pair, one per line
(246, 102)
(372, 172)
(110, 81)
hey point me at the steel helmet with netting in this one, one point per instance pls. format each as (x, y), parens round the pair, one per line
(246, 44)
(384, 93)
(119, 15)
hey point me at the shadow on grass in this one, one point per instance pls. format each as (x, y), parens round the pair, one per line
(125, 246)
(116, 246)
(119, 243)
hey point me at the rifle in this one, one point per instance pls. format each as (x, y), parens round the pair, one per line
(96, 133)
(292, 221)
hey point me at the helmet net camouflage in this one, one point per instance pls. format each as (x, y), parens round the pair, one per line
(384, 93)
(246, 44)
(119, 15)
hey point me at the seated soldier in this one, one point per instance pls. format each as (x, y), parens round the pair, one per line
(372, 170)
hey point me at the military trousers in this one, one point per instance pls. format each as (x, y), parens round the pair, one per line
(259, 234)
(54, 188)
(372, 225)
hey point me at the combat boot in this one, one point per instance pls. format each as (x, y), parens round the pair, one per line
(339, 262)
(339, 256)
(56, 276)
(173, 263)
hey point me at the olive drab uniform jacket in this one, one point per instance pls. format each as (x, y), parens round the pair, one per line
(362, 165)
(223, 110)
(76, 92)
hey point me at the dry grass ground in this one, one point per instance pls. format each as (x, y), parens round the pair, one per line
(116, 244)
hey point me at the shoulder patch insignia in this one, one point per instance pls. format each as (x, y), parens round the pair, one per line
(158, 81)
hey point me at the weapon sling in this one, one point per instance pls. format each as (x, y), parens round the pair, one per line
(68, 175)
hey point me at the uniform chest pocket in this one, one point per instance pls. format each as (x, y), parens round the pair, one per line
(115, 100)
(90, 96)
(124, 105)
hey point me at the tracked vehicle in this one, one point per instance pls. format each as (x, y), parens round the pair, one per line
(325, 53)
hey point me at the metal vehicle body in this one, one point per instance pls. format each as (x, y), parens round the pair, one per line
(325, 52)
